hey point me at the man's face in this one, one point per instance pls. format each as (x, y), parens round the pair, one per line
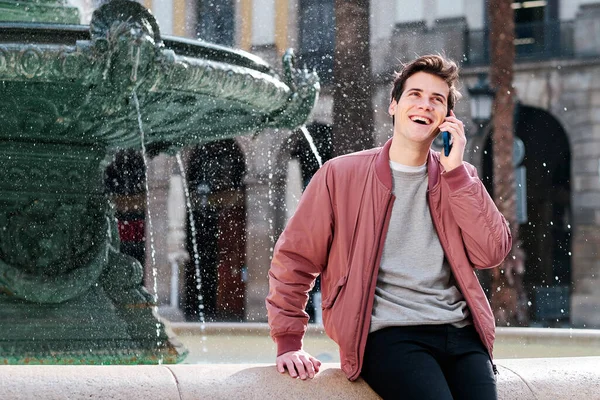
(421, 108)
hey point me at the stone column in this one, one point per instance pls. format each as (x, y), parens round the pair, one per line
(585, 299)
(583, 123)
(158, 267)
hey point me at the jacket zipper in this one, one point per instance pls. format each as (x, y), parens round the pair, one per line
(372, 285)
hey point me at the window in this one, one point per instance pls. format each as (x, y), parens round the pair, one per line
(216, 21)
(317, 37)
(537, 30)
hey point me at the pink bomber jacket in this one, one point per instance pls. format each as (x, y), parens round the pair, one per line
(338, 232)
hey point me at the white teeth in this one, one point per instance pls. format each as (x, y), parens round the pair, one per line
(415, 119)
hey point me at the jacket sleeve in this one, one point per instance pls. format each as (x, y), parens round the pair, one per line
(485, 231)
(300, 255)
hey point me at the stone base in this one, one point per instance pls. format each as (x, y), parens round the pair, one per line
(87, 330)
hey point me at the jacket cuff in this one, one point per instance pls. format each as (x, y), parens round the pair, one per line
(458, 178)
(288, 342)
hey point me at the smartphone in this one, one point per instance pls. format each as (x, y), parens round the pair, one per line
(447, 145)
(446, 140)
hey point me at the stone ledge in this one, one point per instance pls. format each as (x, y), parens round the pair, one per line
(543, 335)
(564, 336)
(540, 378)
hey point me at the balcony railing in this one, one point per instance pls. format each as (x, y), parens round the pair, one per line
(533, 41)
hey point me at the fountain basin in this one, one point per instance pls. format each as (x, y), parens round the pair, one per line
(73, 84)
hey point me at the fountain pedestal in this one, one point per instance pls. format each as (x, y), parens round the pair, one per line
(69, 296)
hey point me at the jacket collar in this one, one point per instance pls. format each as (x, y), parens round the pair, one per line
(382, 166)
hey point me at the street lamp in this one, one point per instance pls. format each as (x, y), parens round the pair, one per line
(482, 97)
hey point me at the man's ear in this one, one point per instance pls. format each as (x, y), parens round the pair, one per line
(392, 108)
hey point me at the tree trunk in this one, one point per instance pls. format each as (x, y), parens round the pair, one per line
(508, 297)
(352, 94)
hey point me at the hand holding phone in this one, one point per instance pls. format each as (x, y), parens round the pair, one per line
(447, 145)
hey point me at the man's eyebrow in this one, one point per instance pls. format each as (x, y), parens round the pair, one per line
(421, 91)
(441, 95)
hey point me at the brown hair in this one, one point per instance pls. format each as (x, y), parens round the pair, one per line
(432, 64)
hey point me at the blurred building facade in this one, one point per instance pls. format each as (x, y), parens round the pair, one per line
(557, 88)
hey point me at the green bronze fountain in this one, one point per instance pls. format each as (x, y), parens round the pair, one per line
(70, 97)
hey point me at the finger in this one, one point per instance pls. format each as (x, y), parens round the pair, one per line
(291, 368)
(454, 129)
(454, 121)
(446, 127)
(280, 367)
(452, 117)
(309, 367)
(458, 125)
(300, 368)
(316, 363)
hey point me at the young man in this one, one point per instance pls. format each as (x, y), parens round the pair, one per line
(395, 233)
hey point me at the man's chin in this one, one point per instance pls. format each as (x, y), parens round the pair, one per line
(425, 138)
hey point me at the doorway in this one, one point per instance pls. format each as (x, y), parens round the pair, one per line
(545, 232)
(214, 284)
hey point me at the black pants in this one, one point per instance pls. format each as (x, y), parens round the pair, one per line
(436, 362)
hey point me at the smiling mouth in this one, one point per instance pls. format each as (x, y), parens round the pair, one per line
(421, 120)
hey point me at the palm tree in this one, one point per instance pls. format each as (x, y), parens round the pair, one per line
(352, 94)
(508, 296)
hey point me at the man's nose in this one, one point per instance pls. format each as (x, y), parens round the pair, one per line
(426, 104)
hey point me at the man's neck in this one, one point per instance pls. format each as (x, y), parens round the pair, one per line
(413, 154)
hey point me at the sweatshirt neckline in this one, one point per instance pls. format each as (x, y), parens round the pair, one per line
(384, 172)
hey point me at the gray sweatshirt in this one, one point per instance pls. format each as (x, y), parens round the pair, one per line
(415, 285)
